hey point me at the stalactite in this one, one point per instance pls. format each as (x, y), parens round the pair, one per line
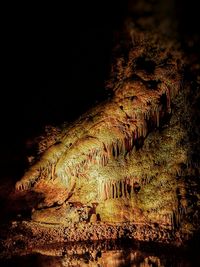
(118, 189)
(168, 100)
(109, 150)
(123, 189)
(139, 131)
(157, 117)
(172, 220)
(119, 147)
(112, 192)
(184, 204)
(172, 91)
(134, 116)
(144, 129)
(178, 171)
(106, 159)
(48, 170)
(52, 171)
(113, 150)
(116, 150)
(126, 189)
(110, 189)
(131, 191)
(135, 135)
(114, 189)
(132, 140)
(128, 141)
(177, 217)
(147, 115)
(105, 191)
(123, 146)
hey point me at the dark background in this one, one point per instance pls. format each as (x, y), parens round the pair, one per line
(72, 43)
(57, 59)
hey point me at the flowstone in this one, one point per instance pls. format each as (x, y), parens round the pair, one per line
(127, 160)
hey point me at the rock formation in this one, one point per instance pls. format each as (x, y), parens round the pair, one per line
(132, 159)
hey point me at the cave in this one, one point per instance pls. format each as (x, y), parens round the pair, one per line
(102, 168)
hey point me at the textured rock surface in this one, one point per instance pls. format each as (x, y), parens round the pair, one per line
(131, 162)
(121, 151)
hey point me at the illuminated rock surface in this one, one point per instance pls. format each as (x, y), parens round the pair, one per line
(129, 167)
(127, 159)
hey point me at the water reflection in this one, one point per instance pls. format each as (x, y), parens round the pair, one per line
(104, 254)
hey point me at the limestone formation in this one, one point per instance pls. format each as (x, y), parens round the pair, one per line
(128, 159)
